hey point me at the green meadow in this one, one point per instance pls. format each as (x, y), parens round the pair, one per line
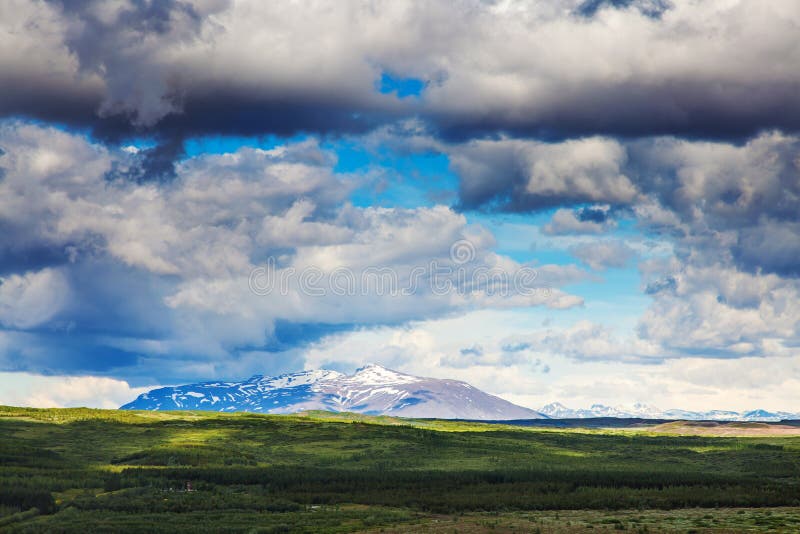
(68, 470)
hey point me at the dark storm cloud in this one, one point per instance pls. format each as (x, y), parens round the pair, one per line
(684, 108)
(175, 69)
(112, 80)
(727, 186)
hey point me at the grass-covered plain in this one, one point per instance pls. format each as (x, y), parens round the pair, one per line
(111, 471)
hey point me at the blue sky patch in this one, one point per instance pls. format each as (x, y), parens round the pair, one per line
(402, 87)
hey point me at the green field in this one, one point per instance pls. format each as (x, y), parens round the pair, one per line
(111, 471)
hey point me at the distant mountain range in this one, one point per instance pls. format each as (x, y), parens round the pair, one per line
(557, 410)
(371, 390)
(375, 390)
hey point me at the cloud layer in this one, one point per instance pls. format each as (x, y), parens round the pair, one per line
(556, 68)
(642, 146)
(732, 212)
(107, 274)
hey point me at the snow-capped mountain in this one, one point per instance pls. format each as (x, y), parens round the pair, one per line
(556, 410)
(371, 390)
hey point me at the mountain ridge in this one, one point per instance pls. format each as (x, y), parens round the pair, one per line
(372, 390)
(376, 390)
(556, 410)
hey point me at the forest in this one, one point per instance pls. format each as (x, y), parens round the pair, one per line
(105, 471)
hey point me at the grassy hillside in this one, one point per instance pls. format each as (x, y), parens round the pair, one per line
(99, 470)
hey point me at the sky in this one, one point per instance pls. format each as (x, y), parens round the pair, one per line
(584, 201)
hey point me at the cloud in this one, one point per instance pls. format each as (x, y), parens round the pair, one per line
(433, 347)
(520, 175)
(678, 120)
(554, 69)
(181, 68)
(719, 311)
(153, 280)
(37, 391)
(730, 211)
(715, 196)
(587, 362)
(772, 245)
(33, 298)
(601, 255)
(187, 247)
(668, 283)
(588, 341)
(588, 220)
(693, 383)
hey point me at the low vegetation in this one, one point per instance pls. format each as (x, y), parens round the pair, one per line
(109, 471)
